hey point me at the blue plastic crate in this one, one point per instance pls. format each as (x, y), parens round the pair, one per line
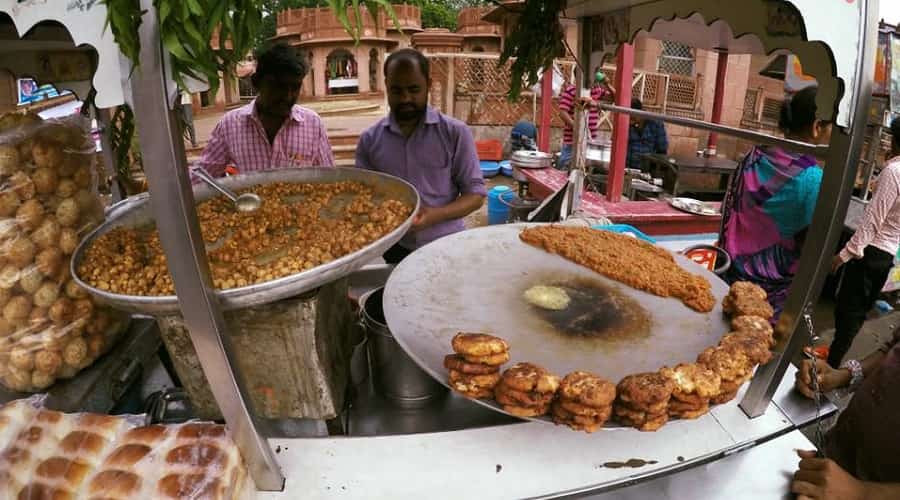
(625, 229)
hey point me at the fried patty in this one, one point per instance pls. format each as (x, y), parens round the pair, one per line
(645, 389)
(723, 398)
(755, 347)
(487, 381)
(459, 363)
(587, 389)
(747, 306)
(576, 408)
(526, 411)
(658, 407)
(649, 423)
(689, 399)
(691, 378)
(490, 360)
(508, 396)
(679, 406)
(748, 289)
(473, 392)
(689, 414)
(755, 325)
(528, 377)
(728, 361)
(478, 344)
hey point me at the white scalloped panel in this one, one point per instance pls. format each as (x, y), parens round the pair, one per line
(85, 21)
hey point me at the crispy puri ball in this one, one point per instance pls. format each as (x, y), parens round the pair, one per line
(9, 159)
(9, 202)
(67, 212)
(49, 261)
(98, 324)
(21, 252)
(68, 241)
(30, 279)
(38, 316)
(5, 295)
(30, 215)
(22, 185)
(18, 380)
(22, 358)
(45, 180)
(86, 201)
(9, 276)
(47, 234)
(74, 291)
(66, 188)
(48, 361)
(17, 308)
(41, 380)
(46, 153)
(6, 327)
(46, 294)
(61, 311)
(83, 308)
(75, 352)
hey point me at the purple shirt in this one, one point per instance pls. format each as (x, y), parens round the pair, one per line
(439, 159)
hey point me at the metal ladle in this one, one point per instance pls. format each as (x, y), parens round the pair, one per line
(247, 202)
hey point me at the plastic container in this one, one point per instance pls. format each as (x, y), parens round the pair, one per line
(491, 150)
(395, 375)
(489, 168)
(506, 168)
(50, 328)
(626, 229)
(498, 211)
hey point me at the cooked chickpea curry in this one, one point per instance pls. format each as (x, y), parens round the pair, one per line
(298, 227)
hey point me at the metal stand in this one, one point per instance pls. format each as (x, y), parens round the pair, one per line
(179, 230)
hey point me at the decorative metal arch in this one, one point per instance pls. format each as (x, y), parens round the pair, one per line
(85, 20)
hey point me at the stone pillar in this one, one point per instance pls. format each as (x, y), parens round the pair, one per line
(362, 68)
(321, 77)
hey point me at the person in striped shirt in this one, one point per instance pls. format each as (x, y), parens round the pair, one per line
(272, 131)
(868, 257)
(568, 99)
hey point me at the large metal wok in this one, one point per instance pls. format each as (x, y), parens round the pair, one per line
(135, 212)
(473, 281)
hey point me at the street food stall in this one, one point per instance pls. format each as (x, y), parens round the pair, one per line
(257, 316)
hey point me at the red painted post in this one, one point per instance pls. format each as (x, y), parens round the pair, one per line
(721, 70)
(546, 110)
(624, 69)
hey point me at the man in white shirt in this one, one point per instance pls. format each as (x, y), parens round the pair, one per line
(869, 255)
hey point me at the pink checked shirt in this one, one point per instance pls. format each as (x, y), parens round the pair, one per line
(881, 225)
(239, 139)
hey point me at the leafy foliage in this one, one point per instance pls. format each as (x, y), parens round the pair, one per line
(535, 41)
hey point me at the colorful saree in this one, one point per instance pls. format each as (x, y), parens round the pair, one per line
(765, 214)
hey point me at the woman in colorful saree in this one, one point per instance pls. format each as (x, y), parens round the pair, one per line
(770, 202)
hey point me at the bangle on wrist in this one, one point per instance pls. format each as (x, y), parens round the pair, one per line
(856, 373)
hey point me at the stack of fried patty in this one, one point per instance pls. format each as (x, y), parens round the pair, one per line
(694, 386)
(526, 390)
(643, 400)
(584, 401)
(475, 368)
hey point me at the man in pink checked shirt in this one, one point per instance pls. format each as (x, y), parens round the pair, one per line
(869, 255)
(272, 131)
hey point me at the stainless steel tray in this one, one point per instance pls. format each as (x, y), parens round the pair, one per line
(135, 211)
(473, 281)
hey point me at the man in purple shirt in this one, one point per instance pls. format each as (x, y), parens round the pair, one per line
(432, 151)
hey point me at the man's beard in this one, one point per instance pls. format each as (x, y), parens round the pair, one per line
(409, 113)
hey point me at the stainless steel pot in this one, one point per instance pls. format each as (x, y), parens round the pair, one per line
(394, 374)
(531, 159)
(599, 154)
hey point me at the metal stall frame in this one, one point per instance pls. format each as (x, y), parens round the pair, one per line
(172, 201)
(844, 149)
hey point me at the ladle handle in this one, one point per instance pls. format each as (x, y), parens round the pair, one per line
(205, 177)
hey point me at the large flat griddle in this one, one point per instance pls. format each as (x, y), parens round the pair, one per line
(473, 281)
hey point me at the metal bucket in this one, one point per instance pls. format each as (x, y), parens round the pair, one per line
(395, 376)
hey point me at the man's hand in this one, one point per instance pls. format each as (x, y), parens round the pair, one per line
(836, 263)
(425, 217)
(829, 378)
(823, 479)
